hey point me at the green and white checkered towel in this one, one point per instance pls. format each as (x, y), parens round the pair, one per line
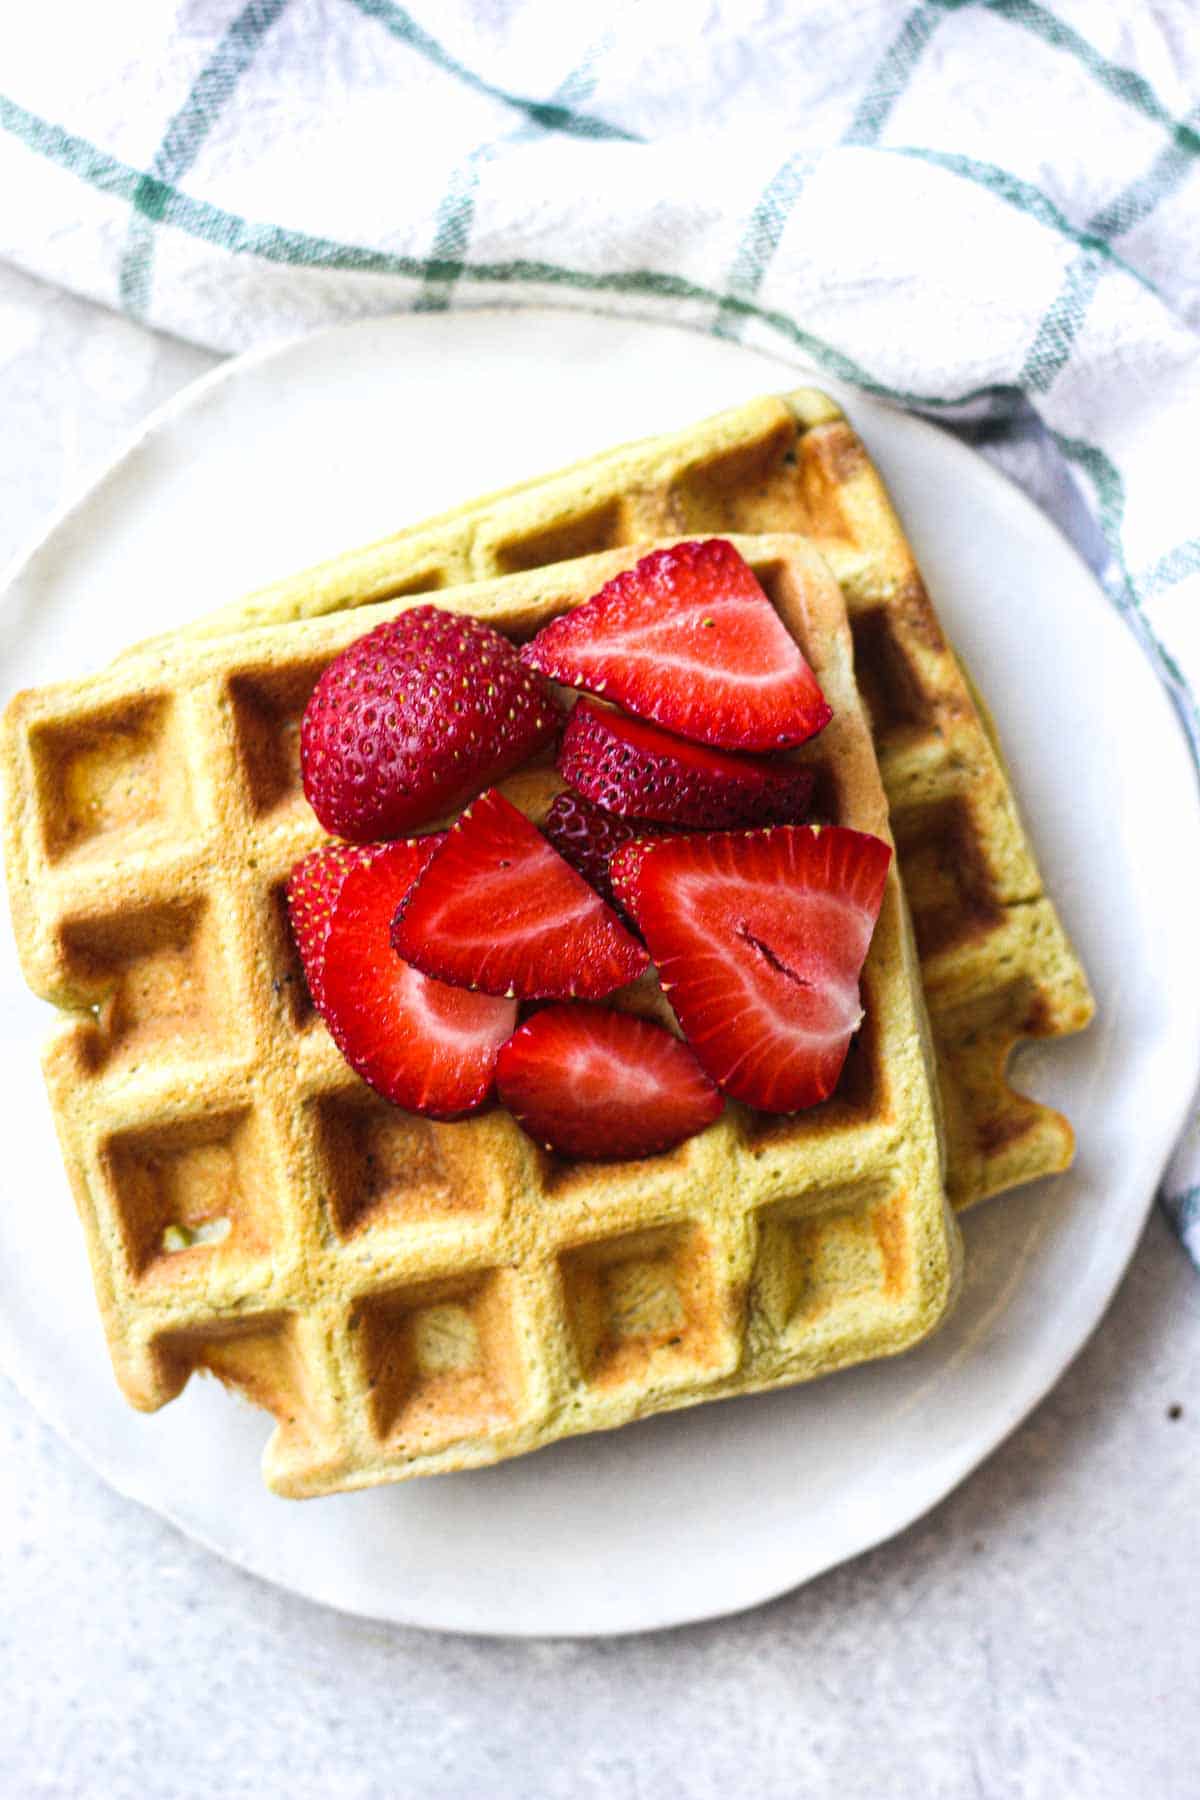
(986, 210)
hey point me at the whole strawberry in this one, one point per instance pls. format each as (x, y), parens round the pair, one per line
(414, 719)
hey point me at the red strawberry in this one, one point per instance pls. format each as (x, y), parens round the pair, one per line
(586, 836)
(604, 1085)
(759, 938)
(499, 910)
(312, 893)
(635, 769)
(688, 638)
(413, 719)
(428, 1047)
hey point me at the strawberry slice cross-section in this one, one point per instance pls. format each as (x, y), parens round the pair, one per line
(759, 939)
(312, 893)
(498, 909)
(688, 639)
(638, 771)
(603, 1085)
(428, 1047)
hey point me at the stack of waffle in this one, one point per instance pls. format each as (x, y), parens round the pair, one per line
(409, 1297)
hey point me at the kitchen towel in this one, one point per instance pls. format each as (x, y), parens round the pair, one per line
(987, 211)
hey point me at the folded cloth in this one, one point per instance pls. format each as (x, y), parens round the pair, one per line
(984, 210)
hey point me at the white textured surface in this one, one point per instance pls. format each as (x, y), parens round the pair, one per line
(1033, 1637)
(714, 1509)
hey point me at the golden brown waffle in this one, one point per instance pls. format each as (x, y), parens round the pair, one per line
(409, 1297)
(996, 963)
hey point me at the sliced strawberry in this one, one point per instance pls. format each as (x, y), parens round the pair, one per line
(688, 638)
(428, 1047)
(414, 719)
(636, 770)
(312, 893)
(498, 909)
(759, 939)
(594, 1083)
(587, 836)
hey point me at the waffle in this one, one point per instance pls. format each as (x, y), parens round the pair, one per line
(996, 963)
(409, 1297)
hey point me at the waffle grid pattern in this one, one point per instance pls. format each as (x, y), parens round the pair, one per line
(997, 966)
(409, 1297)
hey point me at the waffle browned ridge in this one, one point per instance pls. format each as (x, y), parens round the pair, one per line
(997, 965)
(409, 1297)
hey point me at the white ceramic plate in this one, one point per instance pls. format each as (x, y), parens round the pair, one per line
(276, 460)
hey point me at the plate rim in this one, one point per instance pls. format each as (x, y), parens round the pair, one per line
(853, 1541)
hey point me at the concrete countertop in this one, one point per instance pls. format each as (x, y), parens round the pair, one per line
(1033, 1637)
